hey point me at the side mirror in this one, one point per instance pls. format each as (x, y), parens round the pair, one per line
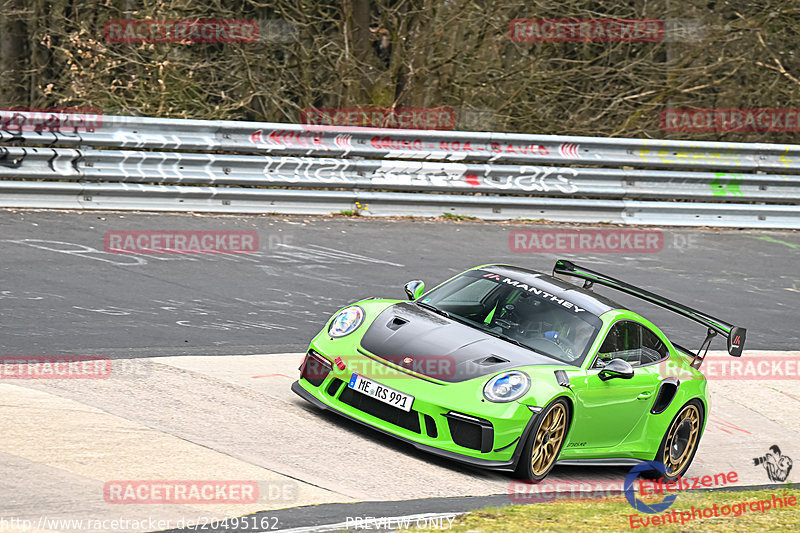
(414, 289)
(616, 368)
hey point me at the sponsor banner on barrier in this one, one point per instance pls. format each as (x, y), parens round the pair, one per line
(588, 30)
(181, 242)
(55, 367)
(730, 120)
(62, 119)
(326, 138)
(181, 31)
(575, 240)
(418, 118)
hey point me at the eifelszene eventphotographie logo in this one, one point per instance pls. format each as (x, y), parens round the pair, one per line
(776, 464)
(630, 495)
(669, 488)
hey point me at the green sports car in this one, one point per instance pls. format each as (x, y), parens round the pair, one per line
(515, 370)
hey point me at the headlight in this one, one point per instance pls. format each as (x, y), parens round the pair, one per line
(507, 387)
(346, 321)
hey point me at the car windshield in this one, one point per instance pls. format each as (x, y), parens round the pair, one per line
(522, 314)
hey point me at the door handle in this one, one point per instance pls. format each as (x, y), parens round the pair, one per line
(644, 395)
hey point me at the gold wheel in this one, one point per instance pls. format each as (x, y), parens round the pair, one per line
(549, 437)
(681, 442)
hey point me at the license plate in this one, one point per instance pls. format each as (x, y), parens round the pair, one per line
(381, 392)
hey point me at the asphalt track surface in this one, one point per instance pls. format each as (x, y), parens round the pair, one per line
(196, 401)
(61, 293)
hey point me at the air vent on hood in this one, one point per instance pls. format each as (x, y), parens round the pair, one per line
(492, 360)
(395, 323)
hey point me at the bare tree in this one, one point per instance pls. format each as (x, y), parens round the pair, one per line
(13, 34)
(409, 53)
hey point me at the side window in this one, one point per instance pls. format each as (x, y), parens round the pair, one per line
(653, 349)
(624, 341)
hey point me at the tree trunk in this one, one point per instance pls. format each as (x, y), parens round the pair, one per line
(12, 54)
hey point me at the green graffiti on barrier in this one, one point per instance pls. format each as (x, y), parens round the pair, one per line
(725, 183)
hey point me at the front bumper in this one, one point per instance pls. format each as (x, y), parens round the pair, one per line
(487, 435)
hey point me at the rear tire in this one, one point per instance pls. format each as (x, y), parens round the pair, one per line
(544, 442)
(680, 442)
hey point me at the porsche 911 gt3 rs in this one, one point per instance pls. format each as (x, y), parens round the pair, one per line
(511, 369)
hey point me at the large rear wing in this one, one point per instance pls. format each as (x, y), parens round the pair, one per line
(735, 335)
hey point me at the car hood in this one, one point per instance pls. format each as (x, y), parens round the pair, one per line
(438, 347)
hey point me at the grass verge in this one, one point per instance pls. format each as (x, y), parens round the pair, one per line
(615, 514)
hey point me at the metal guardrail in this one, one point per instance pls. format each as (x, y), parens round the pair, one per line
(309, 172)
(305, 139)
(192, 165)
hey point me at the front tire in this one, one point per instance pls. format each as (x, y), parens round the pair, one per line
(545, 441)
(680, 442)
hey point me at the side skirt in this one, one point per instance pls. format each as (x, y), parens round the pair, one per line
(622, 461)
